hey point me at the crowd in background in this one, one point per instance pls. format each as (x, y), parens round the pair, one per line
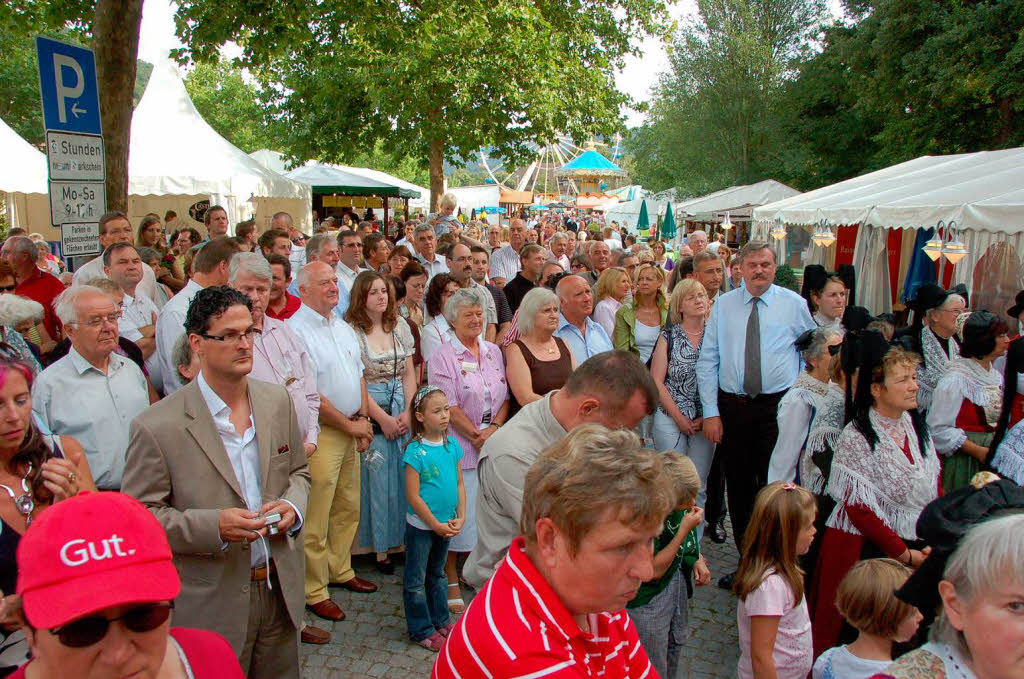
(544, 417)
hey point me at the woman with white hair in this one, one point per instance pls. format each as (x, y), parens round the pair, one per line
(980, 631)
(17, 315)
(798, 407)
(471, 372)
(537, 362)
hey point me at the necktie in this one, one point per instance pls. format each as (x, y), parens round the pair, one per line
(752, 352)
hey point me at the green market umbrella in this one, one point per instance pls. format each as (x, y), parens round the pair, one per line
(643, 223)
(668, 227)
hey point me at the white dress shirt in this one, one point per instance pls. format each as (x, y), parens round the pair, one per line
(280, 357)
(347, 276)
(73, 398)
(138, 312)
(94, 269)
(505, 263)
(244, 453)
(334, 348)
(433, 268)
(297, 258)
(170, 325)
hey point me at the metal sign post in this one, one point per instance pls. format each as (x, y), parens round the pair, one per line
(75, 155)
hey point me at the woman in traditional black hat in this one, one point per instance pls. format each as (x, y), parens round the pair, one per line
(968, 398)
(883, 473)
(1006, 451)
(933, 335)
(974, 573)
(828, 293)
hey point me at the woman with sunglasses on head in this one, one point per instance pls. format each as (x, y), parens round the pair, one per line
(96, 597)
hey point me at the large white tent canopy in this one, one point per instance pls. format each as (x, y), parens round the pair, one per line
(744, 195)
(981, 191)
(175, 153)
(24, 167)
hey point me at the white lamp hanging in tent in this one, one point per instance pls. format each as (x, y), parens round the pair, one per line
(778, 231)
(823, 236)
(933, 248)
(954, 249)
(726, 222)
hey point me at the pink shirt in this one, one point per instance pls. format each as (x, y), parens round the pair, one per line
(280, 357)
(465, 382)
(793, 648)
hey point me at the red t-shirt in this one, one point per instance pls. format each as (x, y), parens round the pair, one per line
(43, 287)
(518, 627)
(291, 305)
(209, 655)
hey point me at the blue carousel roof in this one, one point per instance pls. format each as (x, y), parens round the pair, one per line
(591, 160)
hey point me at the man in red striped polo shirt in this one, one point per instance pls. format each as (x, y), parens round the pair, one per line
(594, 503)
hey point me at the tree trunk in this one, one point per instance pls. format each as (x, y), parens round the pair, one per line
(436, 173)
(115, 41)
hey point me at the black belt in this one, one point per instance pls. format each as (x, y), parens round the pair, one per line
(743, 399)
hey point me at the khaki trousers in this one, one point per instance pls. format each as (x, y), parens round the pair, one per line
(332, 515)
(271, 648)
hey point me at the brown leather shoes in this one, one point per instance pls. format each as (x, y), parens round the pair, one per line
(328, 610)
(359, 585)
(315, 635)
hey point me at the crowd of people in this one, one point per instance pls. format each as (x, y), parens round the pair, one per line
(544, 421)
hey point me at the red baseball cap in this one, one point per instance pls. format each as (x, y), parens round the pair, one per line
(91, 552)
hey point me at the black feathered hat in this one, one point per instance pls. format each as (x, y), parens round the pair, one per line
(944, 522)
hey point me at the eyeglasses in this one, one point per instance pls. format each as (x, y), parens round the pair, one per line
(8, 288)
(233, 337)
(88, 631)
(99, 321)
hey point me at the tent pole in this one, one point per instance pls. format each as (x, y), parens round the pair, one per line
(384, 223)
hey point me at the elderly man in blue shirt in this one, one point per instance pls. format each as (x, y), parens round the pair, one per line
(747, 363)
(584, 336)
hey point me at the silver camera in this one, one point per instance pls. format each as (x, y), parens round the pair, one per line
(271, 521)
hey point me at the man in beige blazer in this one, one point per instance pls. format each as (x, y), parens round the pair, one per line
(211, 461)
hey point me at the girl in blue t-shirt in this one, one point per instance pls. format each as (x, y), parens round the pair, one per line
(436, 511)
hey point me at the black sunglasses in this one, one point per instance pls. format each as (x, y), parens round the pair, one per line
(8, 288)
(88, 631)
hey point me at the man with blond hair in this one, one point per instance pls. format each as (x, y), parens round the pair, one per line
(594, 502)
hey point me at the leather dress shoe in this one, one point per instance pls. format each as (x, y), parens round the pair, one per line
(315, 635)
(359, 585)
(328, 610)
(725, 582)
(717, 531)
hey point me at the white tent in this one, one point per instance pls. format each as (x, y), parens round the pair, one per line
(271, 159)
(177, 159)
(421, 203)
(983, 193)
(22, 178)
(734, 197)
(476, 197)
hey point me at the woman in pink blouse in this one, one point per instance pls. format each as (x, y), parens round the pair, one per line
(471, 372)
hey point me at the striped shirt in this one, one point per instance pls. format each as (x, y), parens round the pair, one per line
(505, 263)
(518, 628)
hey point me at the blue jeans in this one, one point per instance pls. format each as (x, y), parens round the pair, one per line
(424, 584)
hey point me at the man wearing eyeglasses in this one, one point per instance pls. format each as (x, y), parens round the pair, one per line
(221, 465)
(350, 265)
(92, 394)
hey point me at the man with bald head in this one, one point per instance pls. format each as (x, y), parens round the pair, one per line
(333, 513)
(584, 336)
(505, 262)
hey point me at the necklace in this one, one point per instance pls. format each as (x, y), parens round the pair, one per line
(24, 503)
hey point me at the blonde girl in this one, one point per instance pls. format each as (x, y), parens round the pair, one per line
(774, 627)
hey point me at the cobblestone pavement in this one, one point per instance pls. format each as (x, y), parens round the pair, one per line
(372, 641)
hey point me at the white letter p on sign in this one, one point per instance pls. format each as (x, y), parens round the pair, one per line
(63, 91)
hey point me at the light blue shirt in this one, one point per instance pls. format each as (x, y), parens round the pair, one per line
(783, 315)
(582, 348)
(343, 297)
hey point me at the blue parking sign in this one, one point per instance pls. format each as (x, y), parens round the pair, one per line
(67, 82)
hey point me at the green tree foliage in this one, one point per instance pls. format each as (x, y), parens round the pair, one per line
(909, 78)
(231, 105)
(716, 120)
(430, 78)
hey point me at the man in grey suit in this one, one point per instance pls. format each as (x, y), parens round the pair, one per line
(217, 462)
